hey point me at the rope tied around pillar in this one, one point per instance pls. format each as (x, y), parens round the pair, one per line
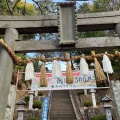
(15, 58)
(18, 60)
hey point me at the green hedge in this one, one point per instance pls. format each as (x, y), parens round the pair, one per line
(37, 104)
(33, 118)
(87, 103)
(98, 117)
(40, 93)
(80, 92)
(26, 98)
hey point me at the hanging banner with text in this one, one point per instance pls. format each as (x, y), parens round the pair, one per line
(80, 82)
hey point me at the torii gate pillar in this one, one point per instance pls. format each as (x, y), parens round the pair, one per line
(6, 68)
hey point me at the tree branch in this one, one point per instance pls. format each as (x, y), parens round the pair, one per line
(1, 9)
(38, 6)
(24, 9)
(49, 9)
(9, 7)
(15, 5)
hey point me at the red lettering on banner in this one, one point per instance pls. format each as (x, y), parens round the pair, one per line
(63, 74)
(49, 74)
(78, 73)
(38, 75)
(74, 74)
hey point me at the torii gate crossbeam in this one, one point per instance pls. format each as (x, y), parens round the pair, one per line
(48, 23)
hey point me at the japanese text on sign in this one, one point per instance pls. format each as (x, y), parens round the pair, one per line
(80, 82)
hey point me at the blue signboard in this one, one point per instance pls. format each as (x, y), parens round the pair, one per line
(45, 108)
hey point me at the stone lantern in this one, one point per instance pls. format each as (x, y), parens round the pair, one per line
(106, 100)
(21, 109)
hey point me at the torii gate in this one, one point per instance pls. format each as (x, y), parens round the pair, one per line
(67, 23)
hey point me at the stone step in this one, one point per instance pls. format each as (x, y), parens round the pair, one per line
(61, 113)
(64, 107)
(61, 101)
(61, 107)
(62, 118)
(62, 104)
(70, 117)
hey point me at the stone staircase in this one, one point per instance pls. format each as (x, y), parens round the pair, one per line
(61, 106)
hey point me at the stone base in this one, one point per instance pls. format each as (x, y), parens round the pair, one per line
(100, 111)
(32, 113)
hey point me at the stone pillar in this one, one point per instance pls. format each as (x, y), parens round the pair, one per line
(6, 68)
(107, 107)
(31, 94)
(36, 93)
(117, 29)
(11, 103)
(21, 109)
(115, 90)
(85, 91)
(115, 85)
(92, 91)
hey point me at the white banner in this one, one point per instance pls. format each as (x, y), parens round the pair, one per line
(80, 82)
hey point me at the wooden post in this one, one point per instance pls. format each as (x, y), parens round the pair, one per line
(6, 68)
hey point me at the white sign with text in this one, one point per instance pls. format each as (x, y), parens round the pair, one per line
(80, 82)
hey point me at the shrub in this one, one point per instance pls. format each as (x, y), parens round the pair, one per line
(40, 93)
(98, 117)
(37, 104)
(87, 103)
(80, 92)
(33, 118)
(26, 98)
